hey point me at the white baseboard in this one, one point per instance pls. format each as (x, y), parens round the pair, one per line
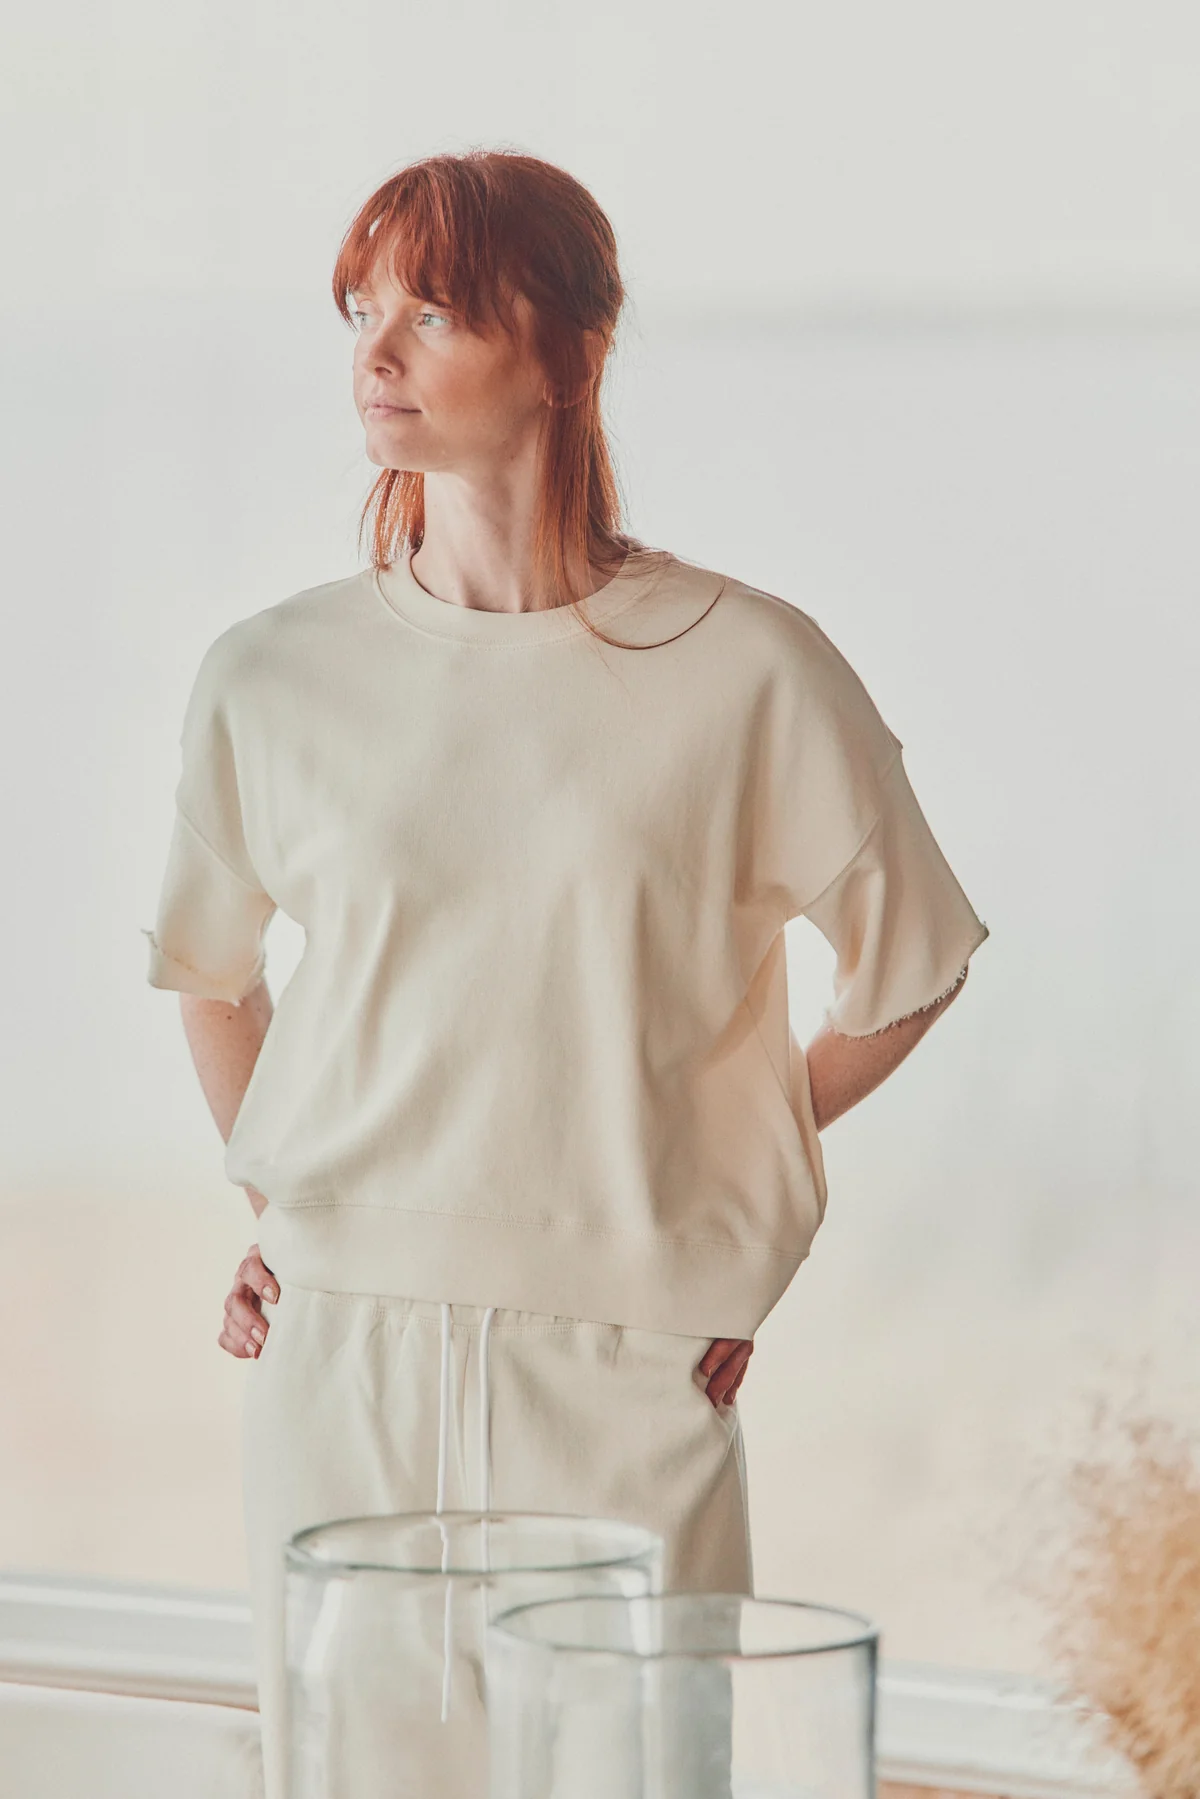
(108, 1636)
(941, 1727)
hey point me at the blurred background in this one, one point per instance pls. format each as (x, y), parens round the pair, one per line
(913, 340)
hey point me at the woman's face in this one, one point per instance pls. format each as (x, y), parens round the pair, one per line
(433, 395)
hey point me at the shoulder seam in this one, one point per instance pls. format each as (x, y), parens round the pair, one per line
(251, 886)
(862, 842)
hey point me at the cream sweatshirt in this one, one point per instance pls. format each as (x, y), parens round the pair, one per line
(536, 1052)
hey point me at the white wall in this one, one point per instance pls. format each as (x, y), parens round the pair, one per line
(913, 340)
(936, 155)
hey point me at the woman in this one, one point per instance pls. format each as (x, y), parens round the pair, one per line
(531, 1093)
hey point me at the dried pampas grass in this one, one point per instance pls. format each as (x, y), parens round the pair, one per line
(1124, 1596)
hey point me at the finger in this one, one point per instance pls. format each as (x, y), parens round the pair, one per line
(256, 1275)
(715, 1354)
(722, 1374)
(741, 1372)
(728, 1373)
(242, 1314)
(236, 1342)
(736, 1360)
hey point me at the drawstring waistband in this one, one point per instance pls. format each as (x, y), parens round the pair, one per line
(485, 1469)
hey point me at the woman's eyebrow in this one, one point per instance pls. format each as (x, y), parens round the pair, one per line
(365, 291)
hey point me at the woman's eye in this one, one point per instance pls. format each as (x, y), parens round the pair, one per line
(361, 319)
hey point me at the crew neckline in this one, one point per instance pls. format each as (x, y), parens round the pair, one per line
(404, 597)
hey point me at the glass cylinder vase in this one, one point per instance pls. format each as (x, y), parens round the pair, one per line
(386, 1645)
(681, 1696)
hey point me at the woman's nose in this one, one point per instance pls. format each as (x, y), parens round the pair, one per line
(382, 357)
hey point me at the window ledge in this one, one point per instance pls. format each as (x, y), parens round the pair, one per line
(967, 1731)
(125, 1637)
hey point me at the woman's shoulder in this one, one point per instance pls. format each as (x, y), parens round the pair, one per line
(758, 622)
(776, 650)
(299, 623)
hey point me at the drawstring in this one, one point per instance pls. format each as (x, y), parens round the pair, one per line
(443, 1416)
(485, 1466)
(485, 1471)
(485, 1444)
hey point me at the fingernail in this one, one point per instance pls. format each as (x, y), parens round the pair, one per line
(271, 1294)
(252, 1349)
(257, 1334)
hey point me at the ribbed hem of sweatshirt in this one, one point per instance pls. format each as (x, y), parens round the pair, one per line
(683, 1288)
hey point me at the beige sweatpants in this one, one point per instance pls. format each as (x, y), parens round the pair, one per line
(344, 1415)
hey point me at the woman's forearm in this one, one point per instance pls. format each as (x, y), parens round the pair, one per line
(225, 1041)
(843, 1070)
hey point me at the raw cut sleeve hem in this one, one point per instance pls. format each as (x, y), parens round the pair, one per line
(174, 976)
(916, 1011)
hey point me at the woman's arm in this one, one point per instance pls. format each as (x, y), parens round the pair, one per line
(842, 1070)
(225, 1040)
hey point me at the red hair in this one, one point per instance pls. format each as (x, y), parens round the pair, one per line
(468, 230)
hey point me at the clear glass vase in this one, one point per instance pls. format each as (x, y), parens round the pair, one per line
(681, 1696)
(386, 1638)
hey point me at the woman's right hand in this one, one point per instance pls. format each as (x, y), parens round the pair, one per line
(245, 1329)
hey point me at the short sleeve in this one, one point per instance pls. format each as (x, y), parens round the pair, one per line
(899, 923)
(213, 908)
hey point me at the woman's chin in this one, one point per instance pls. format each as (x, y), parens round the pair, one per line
(391, 446)
(404, 462)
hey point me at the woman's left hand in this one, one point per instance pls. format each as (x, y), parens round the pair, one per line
(725, 1361)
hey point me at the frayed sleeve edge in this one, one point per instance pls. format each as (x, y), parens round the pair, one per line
(174, 976)
(916, 1012)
